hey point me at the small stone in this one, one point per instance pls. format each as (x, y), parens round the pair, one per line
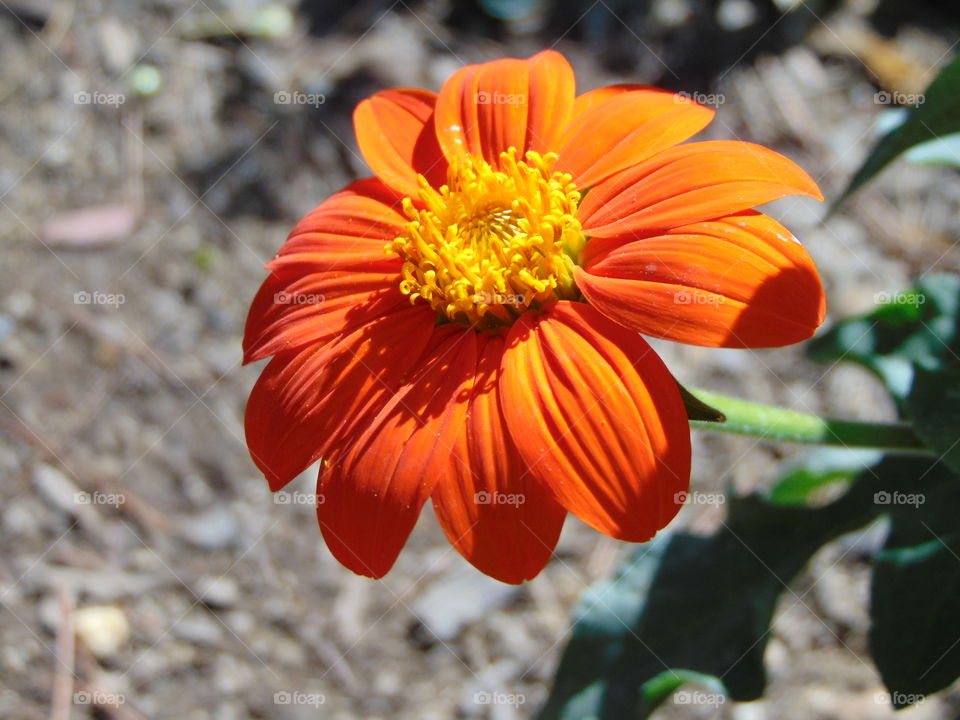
(218, 592)
(145, 80)
(102, 628)
(273, 22)
(198, 627)
(736, 15)
(20, 304)
(117, 44)
(441, 611)
(212, 530)
(671, 13)
(61, 492)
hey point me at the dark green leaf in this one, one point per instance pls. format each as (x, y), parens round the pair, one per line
(942, 151)
(701, 604)
(817, 470)
(687, 604)
(937, 116)
(909, 329)
(915, 597)
(934, 406)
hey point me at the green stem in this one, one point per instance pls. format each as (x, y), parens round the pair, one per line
(775, 423)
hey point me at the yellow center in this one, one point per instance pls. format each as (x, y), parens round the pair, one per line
(491, 244)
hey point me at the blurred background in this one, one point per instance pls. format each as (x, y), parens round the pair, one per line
(153, 156)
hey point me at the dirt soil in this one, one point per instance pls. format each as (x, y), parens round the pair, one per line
(129, 508)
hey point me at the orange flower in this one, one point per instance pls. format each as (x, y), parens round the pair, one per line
(464, 326)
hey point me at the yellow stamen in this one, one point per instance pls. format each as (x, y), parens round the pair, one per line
(490, 243)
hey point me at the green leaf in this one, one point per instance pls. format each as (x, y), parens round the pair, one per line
(689, 604)
(934, 407)
(937, 116)
(912, 342)
(942, 151)
(818, 469)
(701, 604)
(915, 596)
(909, 329)
(658, 689)
(939, 151)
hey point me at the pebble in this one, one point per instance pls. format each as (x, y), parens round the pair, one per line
(218, 592)
(61, 492)
(212, 530)
(117, 44)
(104, 629)
(459, 597)
(7, 326)
(20, 304)
(198, 627)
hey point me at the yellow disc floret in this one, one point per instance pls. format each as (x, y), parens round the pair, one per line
(492, 243)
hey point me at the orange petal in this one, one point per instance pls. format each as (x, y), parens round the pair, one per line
(495, 512)
(347, 231)
(691, 183)
(285, 316)
(396, 134)
(597, 417)
(614, 128)
(305, 406)
(486, 109)
(738, 281)
(372, 494)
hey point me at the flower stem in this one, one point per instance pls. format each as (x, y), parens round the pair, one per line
(775, 423)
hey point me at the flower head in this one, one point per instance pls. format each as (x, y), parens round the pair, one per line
(464, 326)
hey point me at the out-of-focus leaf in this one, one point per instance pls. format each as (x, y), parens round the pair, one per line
(936, 117)
(939, 151)
(689, 604)
(509, 9)
(658, 689)
(818, 469)
(701, 604)
(933, 404)
(934, 407)
(909, 329)
(915, 596)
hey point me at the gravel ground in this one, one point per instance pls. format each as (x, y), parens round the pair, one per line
(129, 509)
